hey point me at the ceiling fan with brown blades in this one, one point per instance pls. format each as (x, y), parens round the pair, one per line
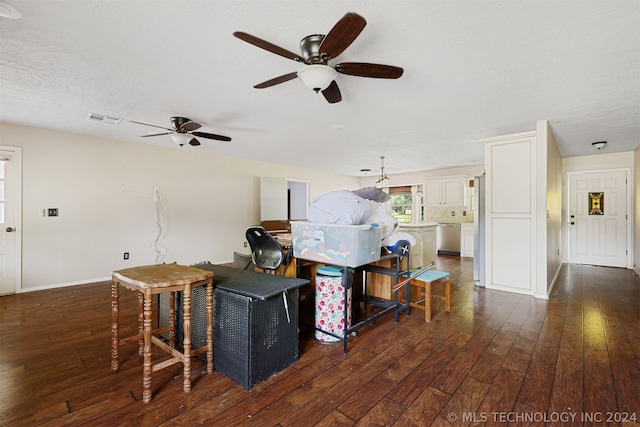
(317, 51)
(183, 131)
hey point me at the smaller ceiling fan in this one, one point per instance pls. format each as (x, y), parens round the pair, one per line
(316, 52)
(183, 131)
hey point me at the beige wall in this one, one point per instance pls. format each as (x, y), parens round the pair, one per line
(104, 192)
(551, 220)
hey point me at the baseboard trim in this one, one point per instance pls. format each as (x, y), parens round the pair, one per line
(64, 285)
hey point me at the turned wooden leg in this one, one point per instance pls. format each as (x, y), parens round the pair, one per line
(141, 323)
(146, 367)
(186, 343)
(210, 326)
(115, 328)
(172, 319)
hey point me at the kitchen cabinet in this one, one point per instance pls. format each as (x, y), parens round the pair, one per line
(445, 191)
(466, 240)
(423, 252)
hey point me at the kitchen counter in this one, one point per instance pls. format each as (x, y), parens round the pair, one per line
(423, 252)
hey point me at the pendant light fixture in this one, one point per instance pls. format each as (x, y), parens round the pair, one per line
(384, 179)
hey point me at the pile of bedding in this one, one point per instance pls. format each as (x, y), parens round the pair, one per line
(364, 206)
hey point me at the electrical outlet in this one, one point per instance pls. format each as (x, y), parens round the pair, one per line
(453, 213)
(52, 212)
(245, 244)
(464, 213)
(126, 255)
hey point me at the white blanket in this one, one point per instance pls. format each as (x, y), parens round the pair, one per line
(346, 208)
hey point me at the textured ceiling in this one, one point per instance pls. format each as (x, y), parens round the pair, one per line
(473, 69)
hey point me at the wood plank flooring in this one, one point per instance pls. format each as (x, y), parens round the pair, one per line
(497, 359)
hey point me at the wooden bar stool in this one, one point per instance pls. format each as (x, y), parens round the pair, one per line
(150, 280)
(424, 282)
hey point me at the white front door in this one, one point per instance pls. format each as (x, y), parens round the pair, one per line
(10, 215)
(597, 218)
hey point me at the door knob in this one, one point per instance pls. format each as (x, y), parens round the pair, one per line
(572, 223)
(9, 229)
(573, 216)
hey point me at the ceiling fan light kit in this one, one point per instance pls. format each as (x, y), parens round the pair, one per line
(317, 76)
(181, 138)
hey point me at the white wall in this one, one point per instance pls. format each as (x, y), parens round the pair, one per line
(104, 192)
(596, 162)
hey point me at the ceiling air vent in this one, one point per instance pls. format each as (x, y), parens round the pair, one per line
(110, 120)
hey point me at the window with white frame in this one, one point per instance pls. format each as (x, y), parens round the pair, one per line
(402, 203)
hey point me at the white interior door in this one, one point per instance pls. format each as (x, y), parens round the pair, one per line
(597, 218)
(10, 215)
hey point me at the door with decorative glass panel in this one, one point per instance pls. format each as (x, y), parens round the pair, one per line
(10, 241)
(597, 218)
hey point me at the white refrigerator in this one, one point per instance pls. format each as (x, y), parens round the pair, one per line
(479, 274)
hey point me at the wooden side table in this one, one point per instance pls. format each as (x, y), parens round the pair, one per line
(155, 279)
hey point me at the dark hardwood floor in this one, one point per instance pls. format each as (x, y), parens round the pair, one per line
(497, 359)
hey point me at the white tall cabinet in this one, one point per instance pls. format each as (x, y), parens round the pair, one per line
(523, 211)
(511, 203)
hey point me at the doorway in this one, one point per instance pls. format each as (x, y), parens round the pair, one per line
(597, 218)
(10, 219)
(282, 198)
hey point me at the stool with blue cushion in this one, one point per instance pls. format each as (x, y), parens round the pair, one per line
(424, 282)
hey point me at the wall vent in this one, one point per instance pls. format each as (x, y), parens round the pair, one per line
(110, 120)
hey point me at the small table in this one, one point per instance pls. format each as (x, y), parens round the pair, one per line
(155, 279)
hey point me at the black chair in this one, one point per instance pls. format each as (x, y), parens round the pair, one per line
(266, 252)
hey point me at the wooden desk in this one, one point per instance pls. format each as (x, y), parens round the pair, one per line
(155, 279)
